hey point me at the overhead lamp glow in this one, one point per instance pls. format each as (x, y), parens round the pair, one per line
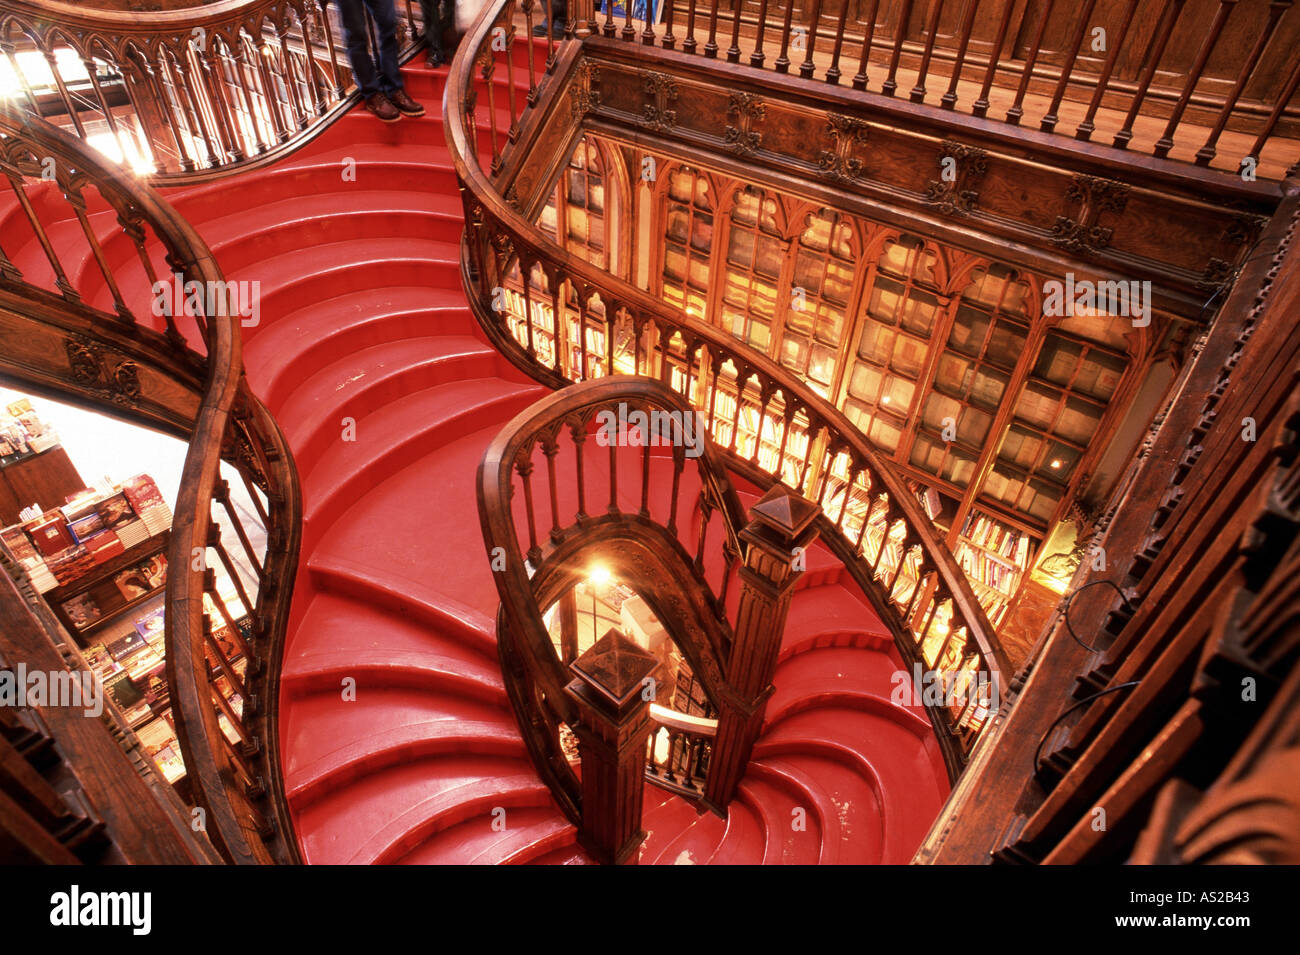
(599, 575)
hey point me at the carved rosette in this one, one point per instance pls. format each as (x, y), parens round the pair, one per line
(102, 371)
(745, 109)
(660, 90)
(955, 196)
(846, 133)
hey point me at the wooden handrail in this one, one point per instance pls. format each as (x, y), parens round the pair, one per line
(228, 780)
(690, 356)
(199, 91)
(536, 565)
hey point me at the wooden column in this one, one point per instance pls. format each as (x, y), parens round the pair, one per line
(613, 729)
(780, 528)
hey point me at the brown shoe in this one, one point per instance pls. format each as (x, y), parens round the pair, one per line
(382, 107)
(405, 104)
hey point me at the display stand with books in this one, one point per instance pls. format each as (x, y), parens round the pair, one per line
(100, 562)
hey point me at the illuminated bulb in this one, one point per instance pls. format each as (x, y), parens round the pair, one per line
(885, 400)
(600, 574)
(1056, 462)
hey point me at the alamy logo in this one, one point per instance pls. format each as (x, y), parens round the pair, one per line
(74, 907)
(79, 689)
(1085, 297)
(641, 429)
(950, 688)
(209, 299)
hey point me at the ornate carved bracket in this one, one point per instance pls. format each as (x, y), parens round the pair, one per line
(840, 163)
(102, 371)
(746, 109)
(967, 165)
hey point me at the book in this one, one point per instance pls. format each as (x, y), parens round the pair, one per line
(150, 626)
(155, 571)
(124, 693)
(82, 610)
(133, 583)
(125, 646)
(50, 534)
(115, 511)
(132, 533)
(20, 547)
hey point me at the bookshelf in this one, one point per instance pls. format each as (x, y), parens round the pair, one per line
(100, 563)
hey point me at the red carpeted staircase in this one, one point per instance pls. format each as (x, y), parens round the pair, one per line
(399, 744)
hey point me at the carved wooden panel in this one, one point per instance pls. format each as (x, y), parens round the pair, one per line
(1184, 230)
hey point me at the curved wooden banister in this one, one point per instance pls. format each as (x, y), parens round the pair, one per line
(228, 781)
(693, 357)
(198, 91)
(535, 565)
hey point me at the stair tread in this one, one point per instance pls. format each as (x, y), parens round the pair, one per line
(350, 386)
(360, 316)
(527, 832)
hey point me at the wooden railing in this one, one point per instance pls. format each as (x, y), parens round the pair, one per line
(1200, 66)
(178, 93)
(870, 517)
(181, 371)
(549, 501)
(679, 751)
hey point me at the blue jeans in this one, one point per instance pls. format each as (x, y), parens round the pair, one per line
(373, 77)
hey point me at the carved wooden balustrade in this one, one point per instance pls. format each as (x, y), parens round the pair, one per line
(98, 327)
(182, 92)
(680, 746)
(869, 517)
(549, 503)
(1212, 64)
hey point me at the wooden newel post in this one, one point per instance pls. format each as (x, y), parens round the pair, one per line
(779, 531)
(613, 729)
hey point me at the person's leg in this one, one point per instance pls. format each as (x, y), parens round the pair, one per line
(435, 28)
(558, 11)
(384, 14)
(355, 36)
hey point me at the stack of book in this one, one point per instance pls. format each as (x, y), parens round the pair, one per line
(24, 553)
(23, 433)
(148, 503)
(57, 547)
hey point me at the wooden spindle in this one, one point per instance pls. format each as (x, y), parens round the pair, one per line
(949, 98)
(900, 30)
(711, 45)
(524, 468)
(782, 64)
(807, 67)
(833, 72)
(1166, 142)
(1151, 57)
(1048, 122)
(1275, 11)
(1085, 129)
(688, 46)
(981, 104)
(860, 79)
(1288, 90)
(1017, 108)
(756, 57)
(932, 33)
(733, 51)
